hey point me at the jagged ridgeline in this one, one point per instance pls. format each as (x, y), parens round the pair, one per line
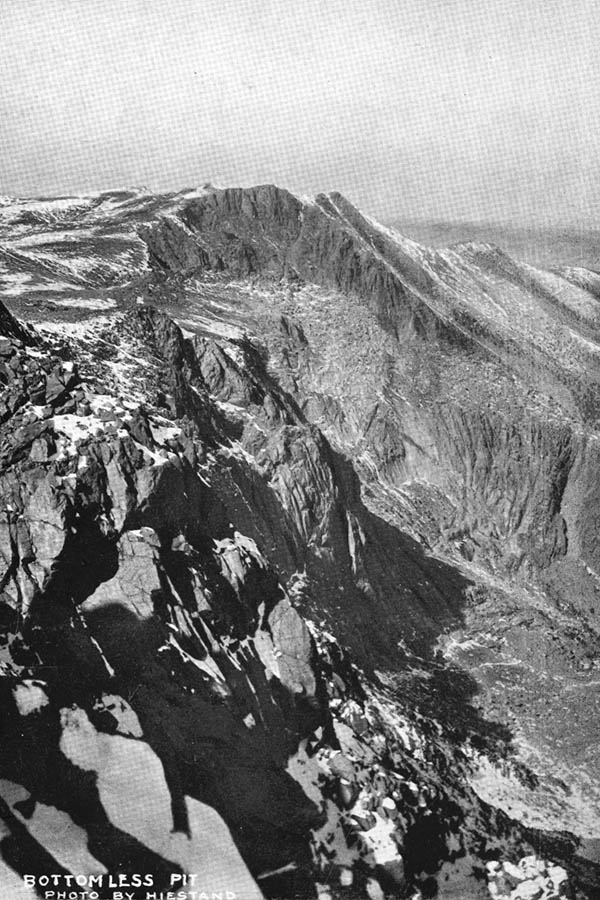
(299, 548)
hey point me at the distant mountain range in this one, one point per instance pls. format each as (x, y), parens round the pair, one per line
(539, 245)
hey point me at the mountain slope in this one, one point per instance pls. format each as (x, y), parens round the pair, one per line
(304, 514)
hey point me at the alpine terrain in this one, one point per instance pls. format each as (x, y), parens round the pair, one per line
(300, 557)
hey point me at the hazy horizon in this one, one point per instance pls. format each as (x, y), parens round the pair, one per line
(451, 110)
(544, 246)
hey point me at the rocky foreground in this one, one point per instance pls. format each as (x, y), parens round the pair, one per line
(299, 555)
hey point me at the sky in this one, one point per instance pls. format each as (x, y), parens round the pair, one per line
(479, 110)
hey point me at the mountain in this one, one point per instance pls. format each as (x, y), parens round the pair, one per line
(300, 583)
(542, 245)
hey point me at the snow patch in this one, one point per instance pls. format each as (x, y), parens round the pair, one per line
(127, 721)
(30, 697)
(87, 303)
(55, 830)
(133, 791)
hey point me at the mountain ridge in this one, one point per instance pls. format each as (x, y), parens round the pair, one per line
(279, 438)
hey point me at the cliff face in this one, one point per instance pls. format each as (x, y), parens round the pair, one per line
(293, 514)
(488, 385)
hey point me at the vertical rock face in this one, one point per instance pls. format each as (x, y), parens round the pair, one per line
(298, 549)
